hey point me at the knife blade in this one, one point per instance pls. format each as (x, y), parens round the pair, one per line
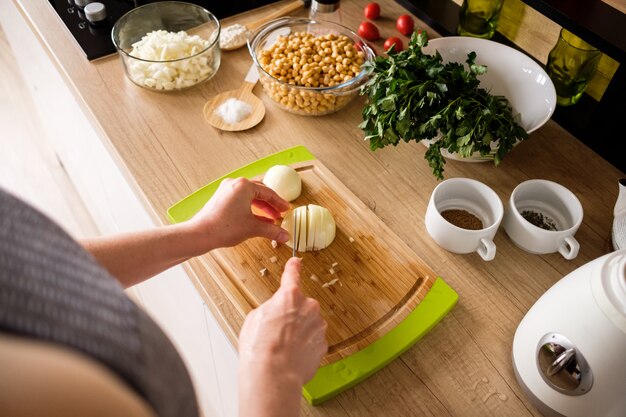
(295, 238)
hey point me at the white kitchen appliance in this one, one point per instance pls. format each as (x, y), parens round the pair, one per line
(569, 351)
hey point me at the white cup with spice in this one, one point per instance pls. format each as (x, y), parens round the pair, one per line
(463, 216)
(542, 217)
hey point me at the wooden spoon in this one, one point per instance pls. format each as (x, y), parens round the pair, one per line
(243, 93)
(286, 9)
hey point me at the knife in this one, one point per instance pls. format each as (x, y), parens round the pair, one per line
(295, 238)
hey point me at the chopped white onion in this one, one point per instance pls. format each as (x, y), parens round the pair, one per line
(174, 72)
(331, 282)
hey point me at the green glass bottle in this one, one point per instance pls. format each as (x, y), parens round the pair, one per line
(572, 63)
(479, 18)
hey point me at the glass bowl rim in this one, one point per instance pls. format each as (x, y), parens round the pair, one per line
(212, 18)
(346, 87)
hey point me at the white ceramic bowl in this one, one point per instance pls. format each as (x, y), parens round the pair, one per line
(510, 73)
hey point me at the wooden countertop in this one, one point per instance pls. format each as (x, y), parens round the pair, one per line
(463, 366)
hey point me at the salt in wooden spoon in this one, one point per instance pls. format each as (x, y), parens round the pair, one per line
(243, 93)
(286, 9)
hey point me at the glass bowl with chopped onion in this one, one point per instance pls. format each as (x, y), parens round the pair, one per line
(309, 67)
(168, 45)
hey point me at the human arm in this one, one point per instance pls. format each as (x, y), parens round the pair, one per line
(280, 348)
(64, 381)
(226, 220)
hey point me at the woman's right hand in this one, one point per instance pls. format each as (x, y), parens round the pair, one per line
(281, 345)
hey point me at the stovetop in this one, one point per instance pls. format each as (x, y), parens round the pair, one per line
(95, 40)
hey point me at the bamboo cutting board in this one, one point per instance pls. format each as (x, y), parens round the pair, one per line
(379, 279)
(372, 298)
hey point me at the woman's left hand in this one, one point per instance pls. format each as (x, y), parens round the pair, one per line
(230, 216)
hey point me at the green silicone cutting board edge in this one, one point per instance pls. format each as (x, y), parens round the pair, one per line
(188, 206)
(332, 379)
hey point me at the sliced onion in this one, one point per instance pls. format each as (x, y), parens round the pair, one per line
(316, 227)
(315, 212)
(329, 227)
(312, 227)
(303, 229)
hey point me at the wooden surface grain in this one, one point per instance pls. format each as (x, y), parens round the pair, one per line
(463, 366)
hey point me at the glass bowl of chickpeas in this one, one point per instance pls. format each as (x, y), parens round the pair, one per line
(309, 67)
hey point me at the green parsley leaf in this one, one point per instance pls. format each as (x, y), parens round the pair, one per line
(413, 96)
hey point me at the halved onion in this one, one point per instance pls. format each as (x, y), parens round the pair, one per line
(284, 180)
(316, 227)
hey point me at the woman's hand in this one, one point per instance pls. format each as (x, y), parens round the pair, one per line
(240, 209)
(280, 348)
(226, 220)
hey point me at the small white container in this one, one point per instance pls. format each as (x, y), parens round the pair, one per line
(471, 196)
(555, 202)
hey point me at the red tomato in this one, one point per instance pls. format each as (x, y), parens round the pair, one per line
(405, 24)
(368, 31)
(393, 41)
(372, 11)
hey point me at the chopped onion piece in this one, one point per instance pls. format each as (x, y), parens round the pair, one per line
(263, 272)
(329, 283)
(273, 259)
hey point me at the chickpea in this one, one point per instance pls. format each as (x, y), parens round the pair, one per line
(303, 59)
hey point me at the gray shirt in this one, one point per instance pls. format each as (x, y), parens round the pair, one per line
(52, 289)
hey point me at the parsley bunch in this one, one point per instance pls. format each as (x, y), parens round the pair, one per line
(414, 96)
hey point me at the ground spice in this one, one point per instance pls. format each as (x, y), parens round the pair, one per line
(538, 219)
(463, 219)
